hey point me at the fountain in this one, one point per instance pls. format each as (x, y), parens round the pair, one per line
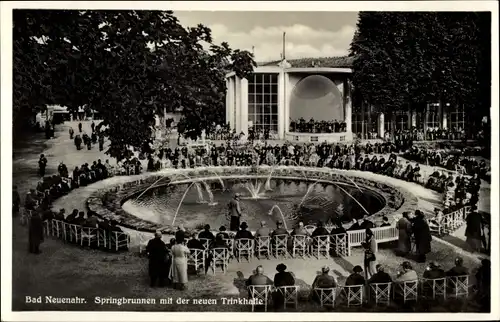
(180, 202)
(200, 192)
(210, 194)
(254, 189)
(268, 181)
(281, 213)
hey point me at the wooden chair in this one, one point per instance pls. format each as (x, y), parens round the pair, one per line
(263, 245)
(260, 293)
(290, 295)
(47, 228)
(230, 244)
(458, 286)
(75, 233)
(321, 246)
(310, 228)
(197, 259)
(326, 296)
(299, 246)
(339, 245)
(433, 288)
(118, 240)
(407, 290)
(220, 256)
(57, 228)
(280, 245)
(380, 293)
(353, 295)
(206, 243)
(102, 238)
(244, 247)
(88, 236)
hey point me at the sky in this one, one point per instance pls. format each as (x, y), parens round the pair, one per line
(308, 34)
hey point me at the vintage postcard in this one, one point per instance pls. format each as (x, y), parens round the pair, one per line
(211, 160)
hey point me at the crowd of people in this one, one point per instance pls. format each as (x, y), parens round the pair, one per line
(38, 201)
(460, 163)
(313, 126)
(95, 137)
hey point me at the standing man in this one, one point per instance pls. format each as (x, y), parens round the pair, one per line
(42, 164)
(101, 141)
(35, 232)
(235, 212)
(157, 252)
(71, 133)
(80, 127)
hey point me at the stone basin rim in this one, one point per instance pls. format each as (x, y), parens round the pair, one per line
(409, 201)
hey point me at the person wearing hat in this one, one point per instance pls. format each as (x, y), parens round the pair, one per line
(474, 229)
(206, 234)
(458, 269)
(282, 278)
(157, 254)
(385, 222)
(355, 278)
(404, 232)
(258, 278)
(324, 280)
(406, 273)
(222, 232)
(35, 229)
(234, 212)
(423, 236)
(243, 233)
(434, 271)
(380, 276)
(320, 230)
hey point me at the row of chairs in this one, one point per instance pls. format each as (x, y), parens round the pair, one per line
(87, 236)
(377, 293)
(448, 223)
(278, 246)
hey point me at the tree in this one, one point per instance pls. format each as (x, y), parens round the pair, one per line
(408, 59)
(127, 65)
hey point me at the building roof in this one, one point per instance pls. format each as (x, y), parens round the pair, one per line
(333, 62)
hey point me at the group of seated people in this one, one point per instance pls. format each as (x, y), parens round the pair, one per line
(461, 163)
(87, 224)
(313, 126)
(220, 240)
(324, 281)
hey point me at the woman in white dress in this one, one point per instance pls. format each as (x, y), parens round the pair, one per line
(178, 271)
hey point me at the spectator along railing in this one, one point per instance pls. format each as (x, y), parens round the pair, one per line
(87, 236)
(450, 222)
(456, 287)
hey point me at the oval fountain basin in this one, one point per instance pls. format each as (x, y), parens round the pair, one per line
(261, 200)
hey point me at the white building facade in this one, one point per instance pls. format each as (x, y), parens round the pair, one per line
(268, 99)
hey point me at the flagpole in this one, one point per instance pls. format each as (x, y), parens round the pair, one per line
(284, 35)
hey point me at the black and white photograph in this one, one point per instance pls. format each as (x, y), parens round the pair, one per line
(293, 159)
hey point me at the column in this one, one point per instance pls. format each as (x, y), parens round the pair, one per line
(281, 105)
(237, 93)
(409, 118)
(381, 125)
(444, 122)
(244, 106)
(287, 96)
(413, 118)
(230, 106)
(347, 106)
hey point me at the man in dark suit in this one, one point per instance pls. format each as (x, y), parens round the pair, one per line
(320, 230)
(458, 269)
(207, 234)
(355, 278)
(243, 233)
(35, 232)
(380, 276)
(258, 279)
(434, 271)
(282, 278)
(157, 253)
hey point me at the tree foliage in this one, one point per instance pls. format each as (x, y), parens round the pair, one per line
(127, 65)
(409, 59)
